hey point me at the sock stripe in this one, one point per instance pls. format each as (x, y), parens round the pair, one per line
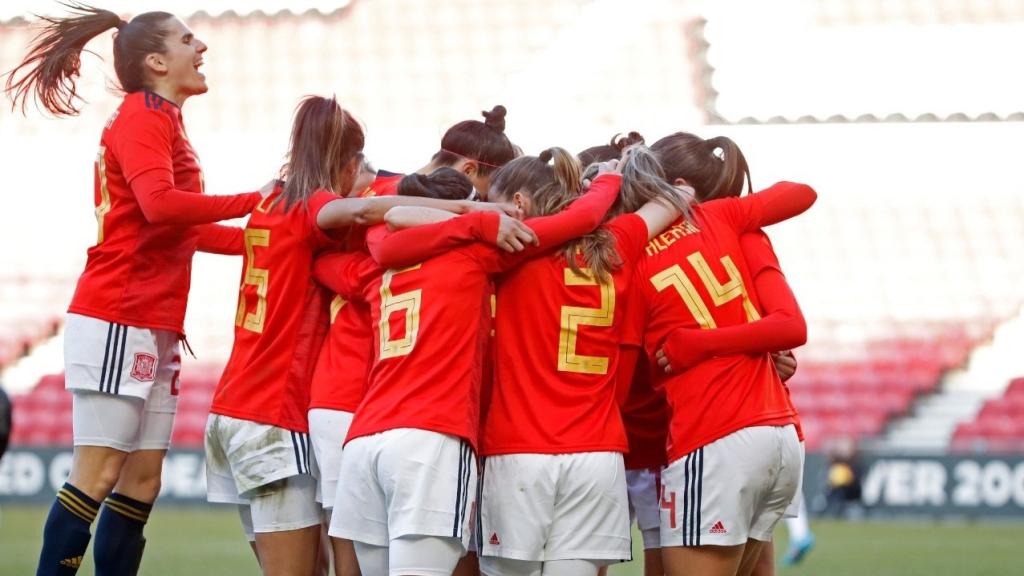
(80, 499)
(126, 510)
(80, 510)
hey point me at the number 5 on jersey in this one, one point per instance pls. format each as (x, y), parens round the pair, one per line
(254, 276)
(407, 303)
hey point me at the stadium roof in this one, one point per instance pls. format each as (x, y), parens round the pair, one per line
(23, 9)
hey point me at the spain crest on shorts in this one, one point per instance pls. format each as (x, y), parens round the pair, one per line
(144, 367)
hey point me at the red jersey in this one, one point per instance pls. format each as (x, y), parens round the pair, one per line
(343, 366)
(695, 276)
(148, 193)
(430, 325)
(281, 319)
(760, 256)
(557, 352)
(432, 320)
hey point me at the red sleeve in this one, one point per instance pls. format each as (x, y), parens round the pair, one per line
(412, 245)
(316, 202)
(581, 217)
(345, 273)
(779, 202)
(630, 233)
(144, 153)
(758, 252)
(782, 328)
(218, 239)
(161, 203)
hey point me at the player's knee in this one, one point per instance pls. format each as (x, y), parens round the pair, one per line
(141, 484)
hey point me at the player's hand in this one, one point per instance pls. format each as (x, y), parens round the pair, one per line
(681, 350)
(269, 187)
(785, 364)
(506, 208)
(513, 235)
(609, 167)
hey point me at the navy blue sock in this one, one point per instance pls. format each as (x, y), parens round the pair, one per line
(66, 533)
(119, 541)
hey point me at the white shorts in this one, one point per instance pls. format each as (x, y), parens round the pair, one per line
(731, 490)
(327, 431)
(793, 511)
(282, 506)
(243, 457)
(123, 423)
(544, 507)
(405, 482)
(644, 488)
(102, 356)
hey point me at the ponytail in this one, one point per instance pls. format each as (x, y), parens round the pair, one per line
(50, 70)
(716, 168)
(325, 141)
(643, 180)
(443, 183)
(734, 168)
(552, 181)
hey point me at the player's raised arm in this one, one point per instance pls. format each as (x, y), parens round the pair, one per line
(145, 154)
(219, 239)
(782, 328)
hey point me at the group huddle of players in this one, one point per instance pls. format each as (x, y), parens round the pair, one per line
(498, 353)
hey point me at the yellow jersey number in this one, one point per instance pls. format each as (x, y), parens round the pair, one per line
(674, 277)
(575, 316)
(258, 277)
(408, 303)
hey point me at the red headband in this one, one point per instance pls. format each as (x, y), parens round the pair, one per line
(463, 156)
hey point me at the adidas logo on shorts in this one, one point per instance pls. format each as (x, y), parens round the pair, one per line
(494, 539)
(718, 528)
(73, 562)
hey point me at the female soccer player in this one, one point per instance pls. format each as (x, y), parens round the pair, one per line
(476, 149)
(125, 320)
(645, 411)
(554, 493)
(733, 451)
(408, 475)
(256, 438)
(471, 148)
(781, 318)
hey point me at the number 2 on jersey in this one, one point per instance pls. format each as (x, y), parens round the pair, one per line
(258, 277)
(575, 316)
(407, 302)
(674, 277)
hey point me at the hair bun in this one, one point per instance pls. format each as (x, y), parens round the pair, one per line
(621, 142)
(495, 118)
(547, 155)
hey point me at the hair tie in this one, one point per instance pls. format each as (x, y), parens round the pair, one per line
(120, 24)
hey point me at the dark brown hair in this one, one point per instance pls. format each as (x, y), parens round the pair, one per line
(443, 183)
(52, 66)
(551, 187)
(325, 140)
(610, 151)
(716, 168)
(484, 142)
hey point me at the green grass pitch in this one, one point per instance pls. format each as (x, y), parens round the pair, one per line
(208, 541)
